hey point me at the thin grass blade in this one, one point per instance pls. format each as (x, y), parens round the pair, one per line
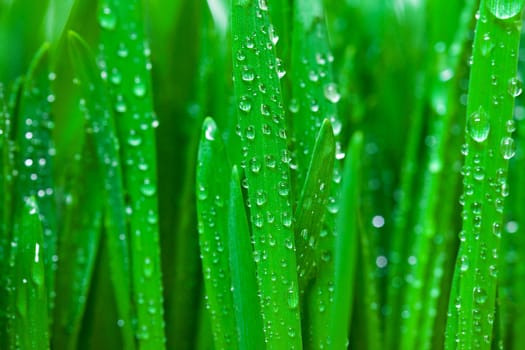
(126, 56)
(28, 325)
(99, 121)
(266, 158)
(489, 146)
(312, 204)
(34, 158)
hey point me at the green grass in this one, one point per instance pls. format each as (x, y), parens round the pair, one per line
(261, 174)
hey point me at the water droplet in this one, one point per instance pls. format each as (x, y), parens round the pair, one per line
(486, 44)
(260, 197)
(211, 129)
(245, 104)
(480, 295)
(507, 147)
(514, 87)
(247, 74)
(478, 125)
(120, 105)
(272, 35)
(331, 93)
(134, 139)
(280, 68)
(286, 219)
(504, 9)
(263, 5)
(255, 165)
(122, 50)
(139, 88)
(148, 189)
(107, 18)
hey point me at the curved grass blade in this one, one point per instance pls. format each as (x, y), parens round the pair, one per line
(99, 119)
(34, 158)
(312, 203)
(78, 248)
(489, 145)
(266, 158)
(126, 59)
(28, 325)
(346, 242)
(243, 271)
(212, 194)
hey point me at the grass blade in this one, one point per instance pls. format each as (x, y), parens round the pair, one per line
(28, 326)
(99, 120)
(312, 203)
(346, 242)
(78, 249)
(489, 146)
(34, 158)
(243, 271)
(212, 194)
(266, 158)
(126, 57)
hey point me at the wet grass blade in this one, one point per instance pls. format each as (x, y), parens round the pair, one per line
(28, 325)
(489, 145)
(312, 204)
(78, 248)
(126, 57)
(99, 122)
(346, 243)
(266, 159)
(243, 271)
(212, 208)
(34, 158)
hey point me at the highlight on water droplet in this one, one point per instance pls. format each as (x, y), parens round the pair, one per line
(331, 93)
(478, 125)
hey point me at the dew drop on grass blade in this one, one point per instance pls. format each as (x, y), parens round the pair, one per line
(126, 57)
(28, 323)
(346, 243)
(266, 160)
(34, 158)
(78, 246)
(99, 122)
(493, 86)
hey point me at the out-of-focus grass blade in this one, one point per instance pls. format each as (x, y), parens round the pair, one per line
(243, 271)
(212, 208)
(100, 123)
(312, 203)
(489, 145)
(126, 59)
(345, 251)
(28, 325)
(34, 157)
(266, 159)
(78, 247)
(6, 169)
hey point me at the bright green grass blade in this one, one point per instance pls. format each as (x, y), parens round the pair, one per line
(34, 158)
(99, 119)
(28, 325)
(345, 251)
(489, 145)
(212, 194)
(243, 271)
(126, 58)
(78, 248)
(266, 158)
(312, 203)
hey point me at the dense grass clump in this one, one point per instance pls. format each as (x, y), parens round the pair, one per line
(262, 174)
